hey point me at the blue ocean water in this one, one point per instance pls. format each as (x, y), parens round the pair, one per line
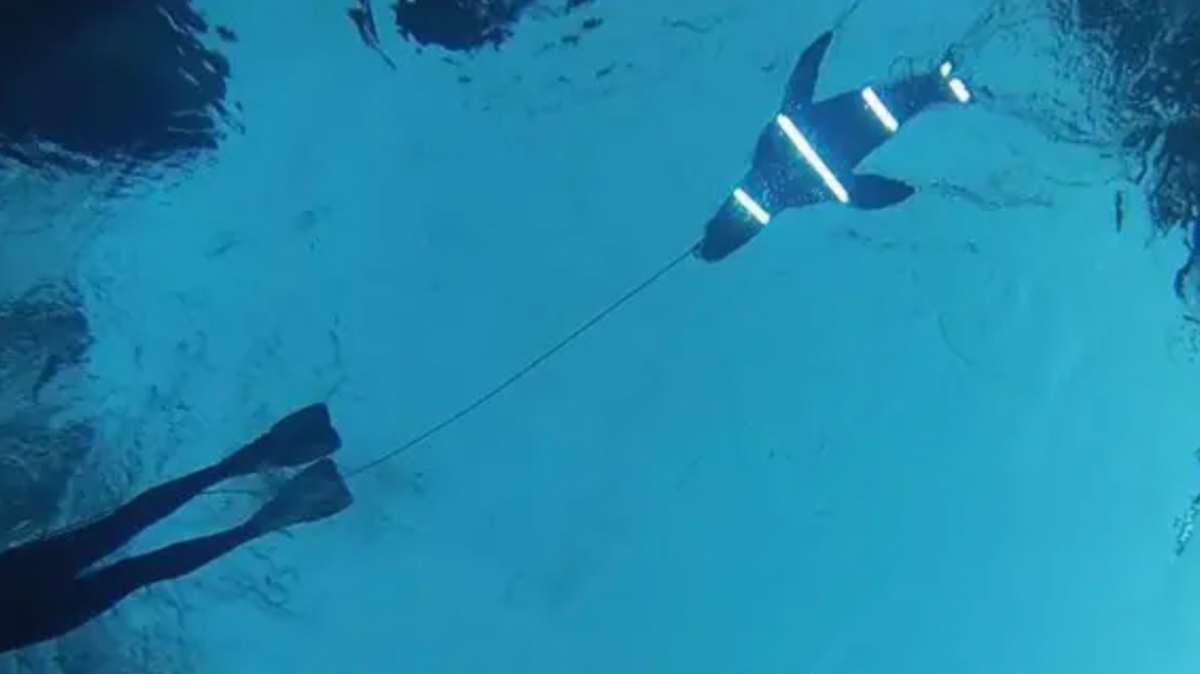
(947, 437)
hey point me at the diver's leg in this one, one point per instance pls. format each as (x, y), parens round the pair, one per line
(317, 493)
(56, 605)
(95, 593)
(45, 599)
(75, 550)
(303, 436)
(31, 587)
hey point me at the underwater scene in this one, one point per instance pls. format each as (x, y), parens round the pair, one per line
(599, 337)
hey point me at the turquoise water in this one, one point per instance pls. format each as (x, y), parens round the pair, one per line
(936, 438)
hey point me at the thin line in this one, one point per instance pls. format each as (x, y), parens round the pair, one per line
(457, 416)
(528, 368)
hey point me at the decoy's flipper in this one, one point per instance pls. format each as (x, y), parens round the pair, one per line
(803, 82)
(872, 192)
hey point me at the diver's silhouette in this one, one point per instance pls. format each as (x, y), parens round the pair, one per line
(48, 587)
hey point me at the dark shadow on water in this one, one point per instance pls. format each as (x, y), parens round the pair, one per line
(88, 81)
(465, 26)
(457, 25)
(1151, 55)
(44, 334)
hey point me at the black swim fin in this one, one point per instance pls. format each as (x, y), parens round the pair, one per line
(803, 82)
(872, 192)
(298, 439)
(318, 492)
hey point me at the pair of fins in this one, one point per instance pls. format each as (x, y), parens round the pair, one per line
(304, 439)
